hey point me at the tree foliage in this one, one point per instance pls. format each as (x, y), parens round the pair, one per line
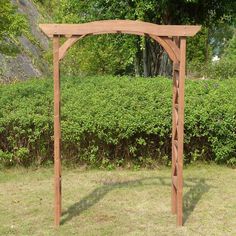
(226, 66)
(142, 54)
(230, 52)
(11, 23)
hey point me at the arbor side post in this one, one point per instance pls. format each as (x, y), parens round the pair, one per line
(57, 130)
(181, 131)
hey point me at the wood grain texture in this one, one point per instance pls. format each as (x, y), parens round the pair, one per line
(165, 44)
(173, 47)
(119, 26)
(175, 110)
(57, 131)
(181, 132)
(67, 44)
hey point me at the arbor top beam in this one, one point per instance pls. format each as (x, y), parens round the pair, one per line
(119, 26)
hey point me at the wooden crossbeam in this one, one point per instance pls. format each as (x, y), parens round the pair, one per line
(114, 26)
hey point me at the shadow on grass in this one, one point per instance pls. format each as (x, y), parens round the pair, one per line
(190, 199)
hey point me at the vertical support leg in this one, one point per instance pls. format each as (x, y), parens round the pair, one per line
(57, 131)
(181, 131)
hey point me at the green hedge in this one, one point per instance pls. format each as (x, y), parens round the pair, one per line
(109, 121)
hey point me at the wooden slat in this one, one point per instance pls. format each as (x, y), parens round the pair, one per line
(176, 66)
(176, 167)
(176, 117)
(175, 132)
(174, 136)
(175, 152)
(175, 142)
(174, 181)
(112, 26)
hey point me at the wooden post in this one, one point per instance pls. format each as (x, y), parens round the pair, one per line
(181, 131)
(57, 130)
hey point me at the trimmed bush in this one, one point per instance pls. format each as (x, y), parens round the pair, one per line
(224, 69)
(110, 121)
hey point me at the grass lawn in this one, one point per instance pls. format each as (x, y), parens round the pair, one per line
(119, 202)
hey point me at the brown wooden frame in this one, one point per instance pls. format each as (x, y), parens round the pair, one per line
(173, 39)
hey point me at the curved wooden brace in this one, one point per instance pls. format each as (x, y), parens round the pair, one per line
(68, 43)
(173, 54)
(173, 46)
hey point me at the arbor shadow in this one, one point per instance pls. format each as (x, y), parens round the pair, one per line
(95, 196)
(190, 199)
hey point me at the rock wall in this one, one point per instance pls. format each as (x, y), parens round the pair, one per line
(28, 62)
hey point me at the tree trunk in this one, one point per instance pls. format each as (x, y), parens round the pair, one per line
(137, 63)
(165, 65)
(137, 59)
(155, 61)
(207, 46)
(145, 59)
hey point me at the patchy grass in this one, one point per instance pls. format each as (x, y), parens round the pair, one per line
(118, 202)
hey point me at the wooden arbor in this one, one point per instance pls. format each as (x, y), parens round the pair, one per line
(173, 39)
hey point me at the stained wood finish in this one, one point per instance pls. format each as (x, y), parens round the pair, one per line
(57, 130)
(69, 43)
(175, 105)
(173, 54)
(178, 130)
(173, 47)
(173, 39)
(180, 126)
(174, 147)
(118, 26)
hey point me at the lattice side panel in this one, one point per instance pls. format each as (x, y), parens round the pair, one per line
(175, 135)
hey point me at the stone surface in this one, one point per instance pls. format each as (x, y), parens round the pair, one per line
(29, 61)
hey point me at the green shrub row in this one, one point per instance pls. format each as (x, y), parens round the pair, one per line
(109, 121)
(223, 69)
